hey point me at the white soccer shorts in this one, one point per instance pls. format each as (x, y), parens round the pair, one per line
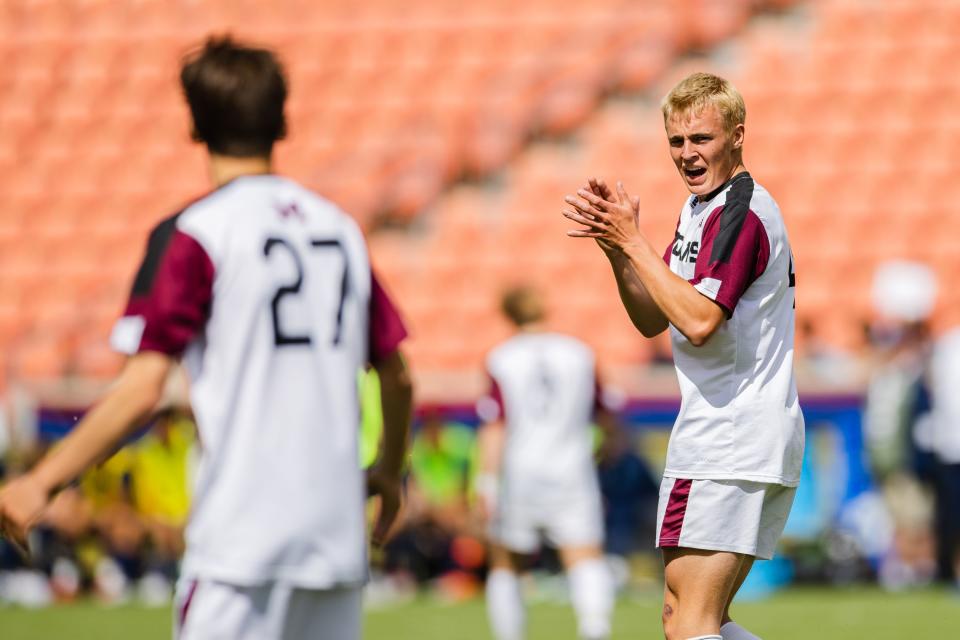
(520, 525)
(723, 515)
(210, 610)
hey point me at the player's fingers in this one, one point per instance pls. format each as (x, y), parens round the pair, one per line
(597, 187)
(581, 219)
(17, 539)
(597, 202)
(584, 208)
(389, 508)
(622, 194)
(605, 191)
(581, 233)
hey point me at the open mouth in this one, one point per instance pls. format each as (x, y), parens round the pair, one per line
(694, 172)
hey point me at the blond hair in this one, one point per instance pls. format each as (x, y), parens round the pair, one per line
(697, 90)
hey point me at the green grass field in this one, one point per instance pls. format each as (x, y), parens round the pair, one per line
(798, 614)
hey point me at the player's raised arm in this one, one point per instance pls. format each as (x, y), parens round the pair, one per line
(642, 310)
(125, 407)
(637, 264)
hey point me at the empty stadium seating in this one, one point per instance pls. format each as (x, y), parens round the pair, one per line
(391, 102)
(838, 116)
(400, 110)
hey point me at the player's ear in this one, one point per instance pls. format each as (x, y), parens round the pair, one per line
(739, 132)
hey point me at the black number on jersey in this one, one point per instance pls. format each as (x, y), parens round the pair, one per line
(541, 393)
(792, 279)
(281, 338)
(334, 244)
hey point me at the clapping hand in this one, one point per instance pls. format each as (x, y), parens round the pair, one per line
(611, 219)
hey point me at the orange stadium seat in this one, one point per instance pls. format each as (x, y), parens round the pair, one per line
(394, 104)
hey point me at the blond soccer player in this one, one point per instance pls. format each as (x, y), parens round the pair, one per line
(725, 290)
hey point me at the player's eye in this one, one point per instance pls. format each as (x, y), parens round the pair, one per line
(676, 142)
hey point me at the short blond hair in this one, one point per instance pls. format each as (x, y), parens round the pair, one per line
(697, 90)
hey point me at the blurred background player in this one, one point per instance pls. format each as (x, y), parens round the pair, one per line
(725, 289)
(265, 290)
(538, 477)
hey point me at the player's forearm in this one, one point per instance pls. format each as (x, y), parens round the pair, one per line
(692, 313)
(123, 410)
(644, 313)
(396, 390)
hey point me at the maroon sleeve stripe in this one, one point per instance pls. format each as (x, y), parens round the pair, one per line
(387, 330)
(173, 290)
(496, 397)
(743, 260)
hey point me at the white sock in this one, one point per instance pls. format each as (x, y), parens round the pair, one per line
(733, 631)
(591, 590)
(505, 605)
(707, 638)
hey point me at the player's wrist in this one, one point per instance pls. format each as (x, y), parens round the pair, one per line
(44, 481)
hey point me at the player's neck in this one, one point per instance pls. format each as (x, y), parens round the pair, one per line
(533, 327)
(737, 170)
(223, 169)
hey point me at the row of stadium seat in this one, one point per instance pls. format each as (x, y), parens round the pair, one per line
(852, 191)
(390, 103)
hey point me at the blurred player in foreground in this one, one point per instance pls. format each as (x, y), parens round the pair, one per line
(537, 470)
(265, 291)
(725, 289)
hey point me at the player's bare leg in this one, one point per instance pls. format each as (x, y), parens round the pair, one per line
(505, 608)
(729, 629)
(591, 589)
(698, 585)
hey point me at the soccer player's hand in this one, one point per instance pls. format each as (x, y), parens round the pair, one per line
(390, 489)
(22, 502)
(600, 189)
(612, 220)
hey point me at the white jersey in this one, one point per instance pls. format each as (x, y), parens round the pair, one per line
(944, 383)
(265, 289)
(739, 417)
(544, 387)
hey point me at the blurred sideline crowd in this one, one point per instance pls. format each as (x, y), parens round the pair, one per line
(117, 533)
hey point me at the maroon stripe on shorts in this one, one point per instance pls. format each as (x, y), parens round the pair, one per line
(673, 516)
(185, 607)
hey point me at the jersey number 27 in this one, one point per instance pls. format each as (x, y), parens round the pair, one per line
(280, 337)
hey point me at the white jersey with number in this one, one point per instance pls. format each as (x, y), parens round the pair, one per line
(544, 387)
(266, 291)
(740, 417)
